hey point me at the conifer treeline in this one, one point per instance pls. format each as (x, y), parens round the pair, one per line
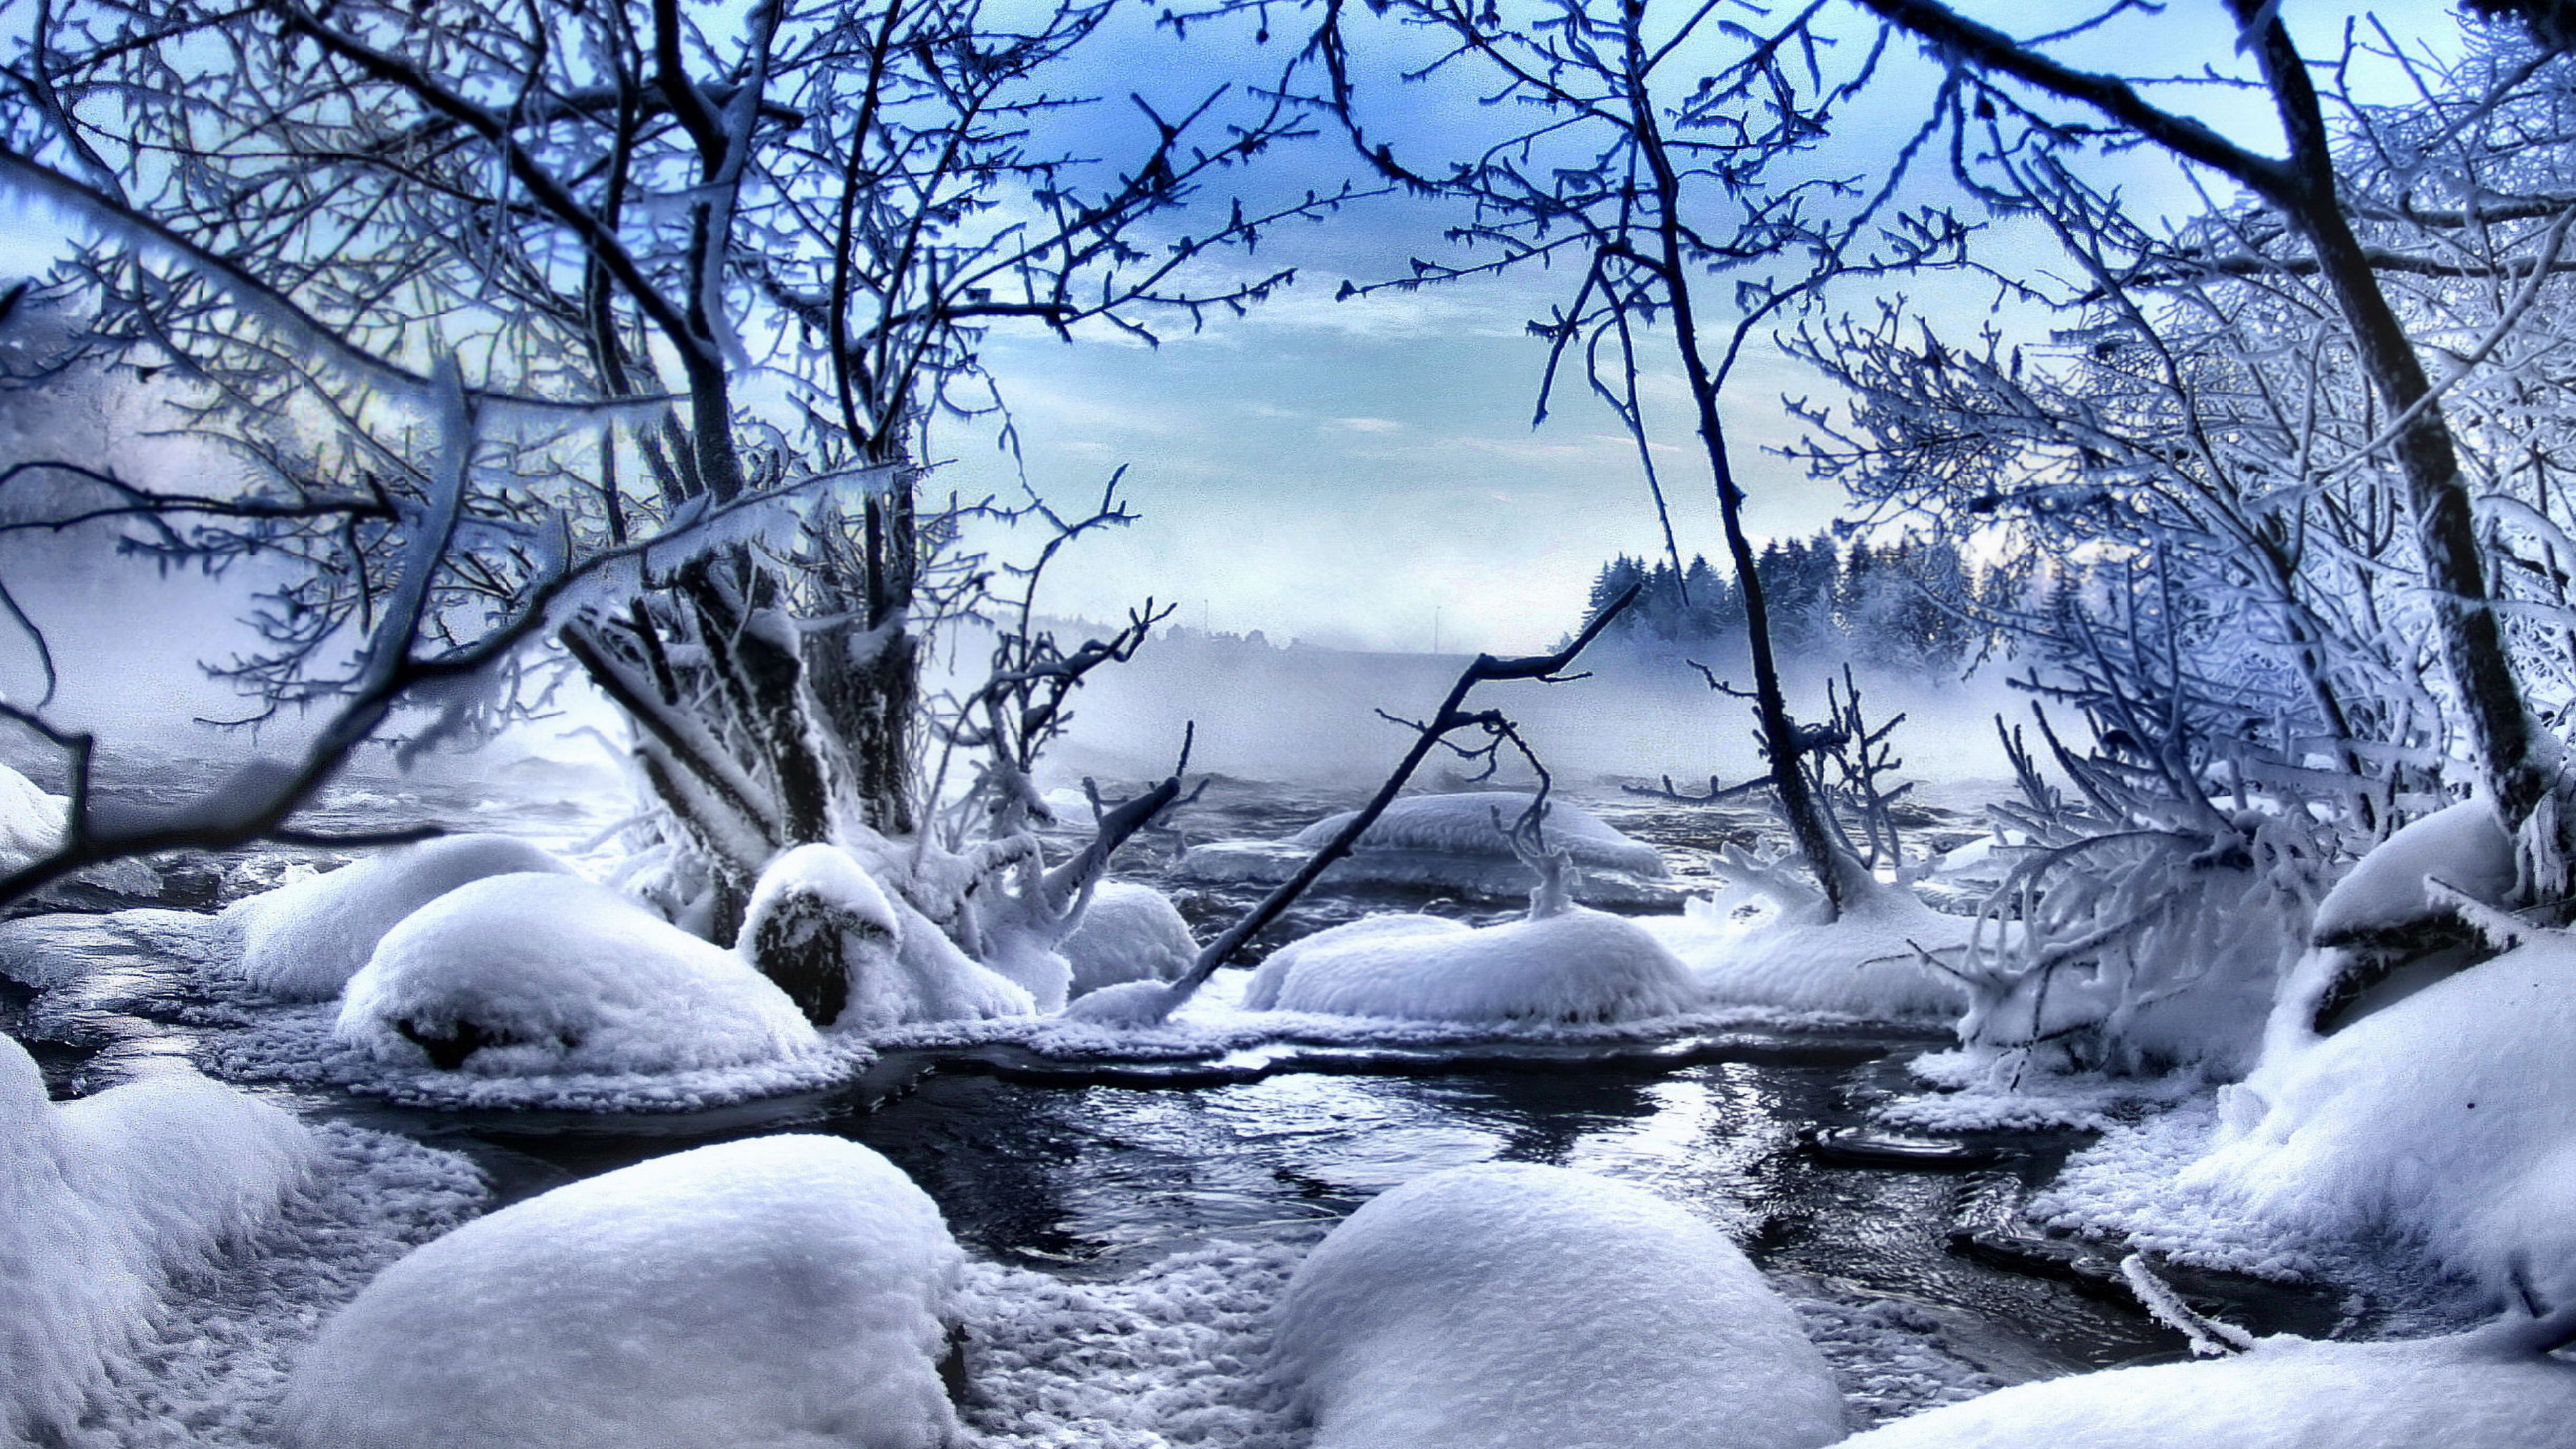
(1907, 605)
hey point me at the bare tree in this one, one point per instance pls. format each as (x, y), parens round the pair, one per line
(725, 265)
(1653, 153)
(2306, 190)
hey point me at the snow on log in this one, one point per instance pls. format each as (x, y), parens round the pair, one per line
(787, 1292)
(538, 974)
(302, 942)
(2470, 1391)
(1452, 842)
(851, 953)
(1129, 932)
(2464, 846)
(1580, 965)
(1863, 963)
(102, 1201)
(2447, 1118)
(1513, 1306)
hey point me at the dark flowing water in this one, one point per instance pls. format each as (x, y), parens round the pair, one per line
(1097, 1173)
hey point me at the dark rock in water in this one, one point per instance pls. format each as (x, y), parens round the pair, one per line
(448, 1051)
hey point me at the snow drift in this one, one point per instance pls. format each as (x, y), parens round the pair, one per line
(303, 942)
(2483, 1390)
(853, 954)
(1578, 965)
(2448, 1117)
(1509, 1305)
(786, 1292)
(102, 1200)
(1129, 932)
(535, 973)
(1863, 963)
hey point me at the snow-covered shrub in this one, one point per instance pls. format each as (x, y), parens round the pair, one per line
(2448, 1117)
(786, 1292)
(1576, 965)
(540, 973)
(2146, 929)
(1129, 932)
(851, 954)
(1514, 1306)
(302, 942)
(102, 1200)
(2484, 1390)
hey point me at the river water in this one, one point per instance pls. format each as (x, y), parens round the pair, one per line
(1095, 1173)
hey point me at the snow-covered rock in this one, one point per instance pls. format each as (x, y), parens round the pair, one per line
(302, 942)
(1578, 965)
(2471, 1391)
(1452, 842)
(2464, 846)
(31, 821)
(786, 1292)
(1864, 963)
(2448, 1117)
(540, 973)
(857, 955)
(1129, 932)
(1513, 1306)
(102, 1200)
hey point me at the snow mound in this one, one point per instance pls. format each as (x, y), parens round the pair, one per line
(539, 974)
(852, 954)
(1578, 965)
(1464, 825)
(1509, 1305)
(2465, 1392)
(1450, 842)
(2464, 846)
(2448, 1118)
(1862, 964)
(102, 1201)
(31, 821)
(1129, 932)
(303, 942)
(783, 1291)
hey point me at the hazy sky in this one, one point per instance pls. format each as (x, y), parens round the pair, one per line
(1359, 473)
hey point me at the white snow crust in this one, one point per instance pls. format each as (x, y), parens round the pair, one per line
(1464, 825)
(1576, 966)
(564, 976)
(303, 942)
(2464, 846)
(1129, 932)
(785, 1292)
(103, 1201)
(1514, 1306)
(901, 967)
(2447, 1118)
(1862, 964)
(2463, 1392)
(31, 821)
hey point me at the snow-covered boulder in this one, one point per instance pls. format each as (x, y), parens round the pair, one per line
(1579, 965)
(852, 954)
(2380, 935)
(1513, 1306)
(540, 973)
(1453, 843)
(102, 1200)
(302, 942)
(1129, 932)
(1863, 963)
(2472, 1391)
(2448, 1117)
(786, 1292)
